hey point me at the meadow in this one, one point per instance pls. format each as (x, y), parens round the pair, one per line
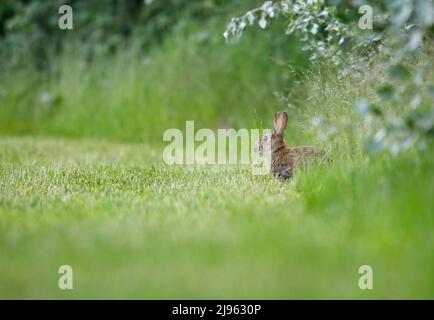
(82, 181)
(133, 228)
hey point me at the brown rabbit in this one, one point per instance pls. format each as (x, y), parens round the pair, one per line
(285, 160)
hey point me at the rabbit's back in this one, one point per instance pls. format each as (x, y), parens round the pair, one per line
(287, 160)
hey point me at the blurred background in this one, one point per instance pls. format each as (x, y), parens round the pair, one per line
(131, 69)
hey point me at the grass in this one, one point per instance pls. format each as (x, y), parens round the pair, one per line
(133, 228)
(134, 96)
(82, 181)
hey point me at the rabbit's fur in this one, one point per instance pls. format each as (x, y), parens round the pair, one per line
(285, 160)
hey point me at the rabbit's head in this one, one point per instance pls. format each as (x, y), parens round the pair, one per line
(273, 141)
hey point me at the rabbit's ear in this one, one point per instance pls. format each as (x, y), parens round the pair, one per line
(280, 121)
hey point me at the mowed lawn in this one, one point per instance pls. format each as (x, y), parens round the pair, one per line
(132, 227)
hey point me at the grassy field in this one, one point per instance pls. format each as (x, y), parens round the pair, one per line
(82, 181)
(134, 96)
(133, 228)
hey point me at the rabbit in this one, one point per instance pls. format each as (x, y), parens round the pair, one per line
(285, 160)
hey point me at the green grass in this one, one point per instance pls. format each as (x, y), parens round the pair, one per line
(82, 181)
(133, 228)
(133, 95)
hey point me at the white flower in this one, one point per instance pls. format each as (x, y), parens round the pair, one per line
(324, 13)
(250, 18)
(270, 11)
(267, 4)
(285, 7)
(263, 23)
(242, 25)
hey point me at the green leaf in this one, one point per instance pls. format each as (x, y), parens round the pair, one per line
(386, 92)
(431, 91)
(376, 110)
(399, 72)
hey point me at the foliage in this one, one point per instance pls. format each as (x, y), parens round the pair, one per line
(134, 93)
(315, 24)
(29, 29)
(401, 27)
